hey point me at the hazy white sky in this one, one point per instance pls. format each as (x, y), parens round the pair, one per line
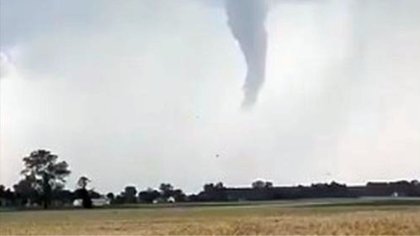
(149, 91)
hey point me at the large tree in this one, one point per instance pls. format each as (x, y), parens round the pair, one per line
(149, 195)
(46, 172)
(166, 190)
(130, 194)
(83, 193)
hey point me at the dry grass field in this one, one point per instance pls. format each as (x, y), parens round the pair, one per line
(242, 219)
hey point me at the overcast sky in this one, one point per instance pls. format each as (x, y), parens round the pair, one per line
(149, 91)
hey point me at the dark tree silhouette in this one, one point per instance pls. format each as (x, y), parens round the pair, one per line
(130, 194)
(213, 187)
(83, 193)
(111, 197)
(45, 172)
(212, 192)
(9, 198)
(119, 199)
(2, 194)
(25, 191)
(166, 190)
(179, 195)
(83, 182)
(208, 187)
(219, 186)
(149, 195)
(260, 184)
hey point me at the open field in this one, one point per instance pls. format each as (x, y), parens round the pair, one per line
(281, 217)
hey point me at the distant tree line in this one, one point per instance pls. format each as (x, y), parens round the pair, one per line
(44, 178)
(165, 193)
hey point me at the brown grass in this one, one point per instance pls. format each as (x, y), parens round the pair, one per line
(251, 220)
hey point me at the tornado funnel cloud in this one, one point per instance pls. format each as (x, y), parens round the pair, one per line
(246, 19)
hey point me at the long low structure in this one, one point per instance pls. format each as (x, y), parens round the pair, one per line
(333, 190)
(96, 202)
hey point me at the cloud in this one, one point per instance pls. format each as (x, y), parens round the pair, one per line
(246, 19)
(6, 65)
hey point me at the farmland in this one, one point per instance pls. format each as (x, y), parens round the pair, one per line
(329, 216)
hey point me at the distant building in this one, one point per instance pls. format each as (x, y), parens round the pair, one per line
(102, 201)
(322, 190)
(170, 200)
(164, 200)
(96, 202)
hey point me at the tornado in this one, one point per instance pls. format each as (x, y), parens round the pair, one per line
(246, 20)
